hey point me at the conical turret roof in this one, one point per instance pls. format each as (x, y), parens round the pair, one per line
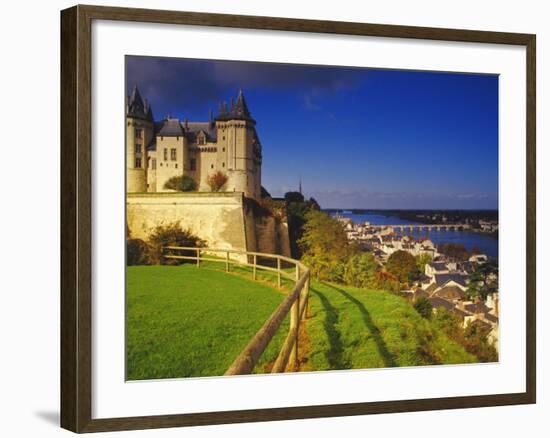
(239, 110)
(136, 108)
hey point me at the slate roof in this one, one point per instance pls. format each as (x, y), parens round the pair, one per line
(170, 128)
(431, 288)
(450, 293)
(460, 313)
(238, 111)
(440, 302)
(439, 266)
(193, 128)
(477, 308)
(138, 108)
(491, 317)
(442, 279)
(419, 292)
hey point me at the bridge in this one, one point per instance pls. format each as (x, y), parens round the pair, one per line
(422, 227)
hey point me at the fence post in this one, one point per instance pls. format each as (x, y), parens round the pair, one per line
(198, 258)
(294, 328)
(227, 261)
(254, 267)
(295, 325)
(278, 272)
(306, 299)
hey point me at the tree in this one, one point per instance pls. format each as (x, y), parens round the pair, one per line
(325, 246)
(296, 210)
(137, 252)
(476, 250)
(424, 308)
(171, 235)
(360, 270)
(483, 281)
(454, 251)
(181, 183)
(422, 260)
(294, 197)
(476, 342)
(217, 181)
(402, 265)
(387, 281)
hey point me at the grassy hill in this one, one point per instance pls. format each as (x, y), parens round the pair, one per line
(189, 322)
(359, 328)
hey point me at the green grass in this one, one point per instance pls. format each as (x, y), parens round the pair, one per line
(359, 328)
(189, 322)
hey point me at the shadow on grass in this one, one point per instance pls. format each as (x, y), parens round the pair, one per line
(334, 354)
(387, 357)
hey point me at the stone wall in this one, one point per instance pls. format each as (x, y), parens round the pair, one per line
(272, 236)
(220, 219)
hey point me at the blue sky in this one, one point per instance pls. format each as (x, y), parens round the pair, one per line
(358, 138)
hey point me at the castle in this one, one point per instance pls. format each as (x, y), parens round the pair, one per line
(159, 150)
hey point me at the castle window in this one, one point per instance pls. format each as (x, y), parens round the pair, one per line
(223, 164)
(138, 133)
(223, 149)
(137, 148)
(165, 154)
(176, 165)
(211, 166)
(193, 164)
(201, 141)
(154, 163)
(173, 154)
(138, 163)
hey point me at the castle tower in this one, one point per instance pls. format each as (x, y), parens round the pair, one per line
(239, 147)
(139, 133)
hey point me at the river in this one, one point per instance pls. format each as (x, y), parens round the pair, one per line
(486, 243)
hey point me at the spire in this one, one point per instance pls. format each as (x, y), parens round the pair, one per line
(149, 113)
(135, 98)
(239, 110)
(300, 186)
(136, 107)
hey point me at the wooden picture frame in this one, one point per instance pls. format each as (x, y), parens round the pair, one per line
(76, 217)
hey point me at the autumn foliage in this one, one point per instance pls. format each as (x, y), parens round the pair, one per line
(217, 181)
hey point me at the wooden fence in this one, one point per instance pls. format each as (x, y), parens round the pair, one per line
(295, 302)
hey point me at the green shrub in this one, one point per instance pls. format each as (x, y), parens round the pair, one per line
(171, 235)
(137, 252)
(181, 183)
(424, 308)
(360, 270)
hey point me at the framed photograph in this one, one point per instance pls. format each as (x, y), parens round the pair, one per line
(268, 219)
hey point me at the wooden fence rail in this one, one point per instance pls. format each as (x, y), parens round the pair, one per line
(294, 303)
